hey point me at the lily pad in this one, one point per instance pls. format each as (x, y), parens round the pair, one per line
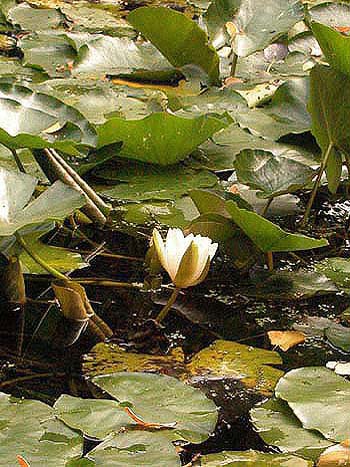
(338, 270)
(279, 427)
(138, 448)
(60, 258)
(250, 365)
(179, 39)
(54, 204)
(268, 236)
(145, 182)
(93, 417)
(33, 120)
(271, 175)
(319, 398)
(109, 358)
(160, 138)
(253, 459)
(260, 23)
(98, 55)
(194, 414)
(29, 428)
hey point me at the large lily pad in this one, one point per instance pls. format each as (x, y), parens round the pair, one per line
(194, 414)
(268, 236)
(279, 427)
(28, 428)
(179, 39)
(138, 448)
(319, 398)
(259, 23)
(33, 120)
(250, 365)
(271, 175)
(98, 55)
(93, 417)
(160, 138)
(253, 459)
(54, 204)
(145, 182)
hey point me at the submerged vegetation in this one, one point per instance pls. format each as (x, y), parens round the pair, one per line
(174, 247)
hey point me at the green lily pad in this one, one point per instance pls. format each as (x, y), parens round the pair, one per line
(49, 51)
(179, 39)
(28, 428)
(332, 14)
(268, 236)
(338, 270)
(143, 182)
(34, 19)
(253, 459)
(60, 258)
(93, 417)
(33, 120)
(54, 204)
(285, 114)
(99, 55)
(271, 175)
(260, 23)
(339, 336)
(98, 100)
(250, 365)
(160, 138)
(218, 14)
(194, 414)
(279, 427)
(138, 448)
(319, 398)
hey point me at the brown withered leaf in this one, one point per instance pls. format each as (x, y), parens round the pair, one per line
(285, 340)
(336, 456)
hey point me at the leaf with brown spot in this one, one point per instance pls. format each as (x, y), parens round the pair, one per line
(336, 456)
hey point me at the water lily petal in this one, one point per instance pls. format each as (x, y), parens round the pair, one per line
(213, 249)
(160, 248)
(203, 274)
(188, 268)
(176, 246)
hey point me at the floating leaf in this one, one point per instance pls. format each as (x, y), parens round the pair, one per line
(93, 417)
(319, 398)
(250, 365)
(272, 175)
(160, 138)
(338, 270)
(252, 458)
(27, 119)
(285, 340)
(335, 456)
(55, 203)
(138, 448)
(28, 428)
(279, 427)
(194, 414)
(142, 182)
(260, 23)
(179, 39)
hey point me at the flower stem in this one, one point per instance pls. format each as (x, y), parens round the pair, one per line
(316, 185)
(165, 310)
(38, 259)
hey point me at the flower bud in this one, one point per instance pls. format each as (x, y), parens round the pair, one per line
(186, 259)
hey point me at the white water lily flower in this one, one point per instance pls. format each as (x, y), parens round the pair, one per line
(186, 259)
